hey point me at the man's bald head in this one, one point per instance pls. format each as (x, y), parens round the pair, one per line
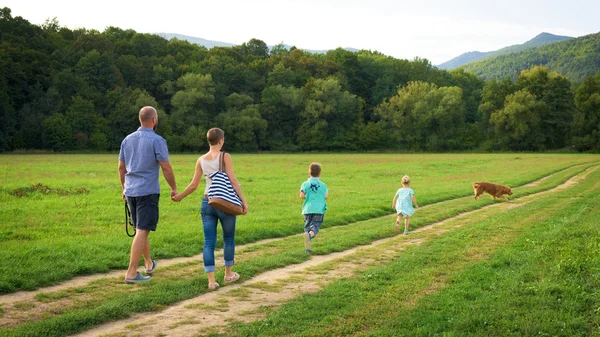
(147, 113)
(147, 116)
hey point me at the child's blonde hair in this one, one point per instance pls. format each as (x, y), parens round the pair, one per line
(406, 180)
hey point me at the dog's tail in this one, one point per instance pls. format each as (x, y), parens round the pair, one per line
(475, 185)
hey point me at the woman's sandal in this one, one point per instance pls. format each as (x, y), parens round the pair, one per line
(234, 277)
(213, 285)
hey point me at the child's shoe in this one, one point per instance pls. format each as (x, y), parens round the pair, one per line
(406, 232)
(307, 240)
(308, 251)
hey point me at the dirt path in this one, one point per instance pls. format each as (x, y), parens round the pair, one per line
(250, 300)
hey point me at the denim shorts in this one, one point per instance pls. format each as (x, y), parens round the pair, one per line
(312, 222)
(144, 211)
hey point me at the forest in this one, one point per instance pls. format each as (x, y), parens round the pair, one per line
(81, 90)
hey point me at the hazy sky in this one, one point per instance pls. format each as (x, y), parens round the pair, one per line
(436, 30)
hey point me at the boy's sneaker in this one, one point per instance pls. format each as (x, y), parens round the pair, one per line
(406, 232)
(307, 240)
(308, 251)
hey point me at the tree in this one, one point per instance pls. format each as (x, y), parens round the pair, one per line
(331, 118)
(517, 125)
(57, 133)
(586, 122)
(124, 108)
(242, 123)
(192, 104)
(81, 116)
(279, 49)
(554, 92)
(256, 48)
(98, 71)
(422, 116)
(280, 107)
(7, 122)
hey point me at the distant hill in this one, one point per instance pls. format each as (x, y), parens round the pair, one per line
(462, 59)
(575, 58)
(197, 40)
(539, 40)
(210, 43)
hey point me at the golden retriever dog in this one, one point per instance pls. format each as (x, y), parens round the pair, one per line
(495, 190)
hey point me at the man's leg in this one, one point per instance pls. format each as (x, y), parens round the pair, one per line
(138, 247)
(146, 254)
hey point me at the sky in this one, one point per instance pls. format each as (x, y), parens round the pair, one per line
(433, 29)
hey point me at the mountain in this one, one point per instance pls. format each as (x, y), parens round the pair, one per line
(539, 40)
(210, 43)
(462, 59)
(197, 40)
(575, 58)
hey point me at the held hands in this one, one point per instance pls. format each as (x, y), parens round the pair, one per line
(177, 197)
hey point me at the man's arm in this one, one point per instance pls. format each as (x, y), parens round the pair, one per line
(169, 176)
(122, 173)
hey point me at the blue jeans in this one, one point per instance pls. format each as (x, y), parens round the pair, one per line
(210, 216)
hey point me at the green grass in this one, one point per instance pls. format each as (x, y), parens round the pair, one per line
(75, 226)
(532, 270)
(109, 300)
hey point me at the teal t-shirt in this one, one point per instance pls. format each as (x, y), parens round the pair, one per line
(315, 191)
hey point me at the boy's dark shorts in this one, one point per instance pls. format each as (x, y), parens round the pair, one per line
(312, 222)
(144, 211)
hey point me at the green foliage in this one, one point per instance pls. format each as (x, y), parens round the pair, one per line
(575, 59)
(517, 125)
(586, 122)
(94, 79)
(244, 128)
(57, 133)
(554, 92)
(539, 40)
(424, 117)
(330, 118)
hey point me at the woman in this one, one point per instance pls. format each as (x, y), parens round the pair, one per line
(208, 164)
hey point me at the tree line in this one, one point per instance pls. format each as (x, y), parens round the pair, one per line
(64, 89)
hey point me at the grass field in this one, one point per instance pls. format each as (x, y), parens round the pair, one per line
(76, 227)
(532, 270)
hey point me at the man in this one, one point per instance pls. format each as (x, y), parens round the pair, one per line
(141, 155)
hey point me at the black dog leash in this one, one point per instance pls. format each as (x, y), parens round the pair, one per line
(128, 221)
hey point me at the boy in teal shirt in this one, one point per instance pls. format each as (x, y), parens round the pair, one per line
(314, 192)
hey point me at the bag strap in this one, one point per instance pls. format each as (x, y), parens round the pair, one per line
(222, 162)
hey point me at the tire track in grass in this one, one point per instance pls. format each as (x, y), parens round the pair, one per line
(251, 300)
(81, 281)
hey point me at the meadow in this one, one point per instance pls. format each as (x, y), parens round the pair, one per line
(75, 224)
(76, 227)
